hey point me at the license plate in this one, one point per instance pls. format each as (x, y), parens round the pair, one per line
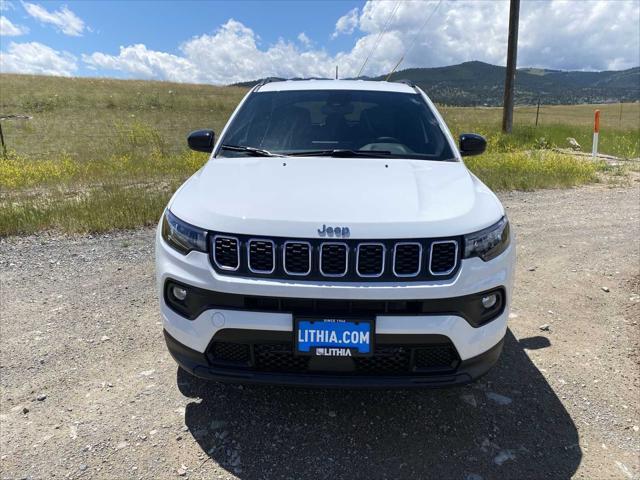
(331, 337)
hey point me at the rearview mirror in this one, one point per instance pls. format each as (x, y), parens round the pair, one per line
(472, 144)
(201, 140)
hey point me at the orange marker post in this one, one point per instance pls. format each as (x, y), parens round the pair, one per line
(596, 133)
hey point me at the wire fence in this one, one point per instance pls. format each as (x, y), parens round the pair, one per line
(92, 135)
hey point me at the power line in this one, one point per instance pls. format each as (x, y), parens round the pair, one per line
(406, 52)
(382, 32)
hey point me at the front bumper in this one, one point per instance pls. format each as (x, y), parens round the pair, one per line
(477, 348)
(198, 364)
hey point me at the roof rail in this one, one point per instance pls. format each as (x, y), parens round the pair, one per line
(409, 83)
(264, 81)
(406, 82)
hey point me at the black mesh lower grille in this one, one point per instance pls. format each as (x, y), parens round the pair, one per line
(229, 352)
(386, 360)
(278, 358)
(407, 259)
(297, 258)
(261, 258)
(370, 259)
(435, 357)
(226, 252)
(333, 259)
(443, 257)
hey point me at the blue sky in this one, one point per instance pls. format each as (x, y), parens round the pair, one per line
(164, 25)
(224, 42)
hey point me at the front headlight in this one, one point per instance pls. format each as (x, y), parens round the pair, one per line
(182, 236)
(488, 243)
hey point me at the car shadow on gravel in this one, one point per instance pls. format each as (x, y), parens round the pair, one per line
(510, 424)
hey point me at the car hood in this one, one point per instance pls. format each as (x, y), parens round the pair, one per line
(374, 198)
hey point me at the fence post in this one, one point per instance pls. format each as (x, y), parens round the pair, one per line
(538, 111)
(620, 118)
(4, 147)
(596, 132)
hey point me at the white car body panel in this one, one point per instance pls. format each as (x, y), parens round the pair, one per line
(376, 198)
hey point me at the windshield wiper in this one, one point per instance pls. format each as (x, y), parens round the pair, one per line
(256, 152)
(340, 152)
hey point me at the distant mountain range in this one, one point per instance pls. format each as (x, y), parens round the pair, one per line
(479, 83)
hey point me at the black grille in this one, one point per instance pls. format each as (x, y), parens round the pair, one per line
(226, 252)
(261, 256)
(333, 259)
(297, 258)
(343, 260)
(435, 357)
(386, 360)
(229, 352)
(278, 357)
(443, 257)
(407, 259)
(370, 259)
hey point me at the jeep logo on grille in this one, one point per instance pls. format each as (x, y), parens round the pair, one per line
(340, 232)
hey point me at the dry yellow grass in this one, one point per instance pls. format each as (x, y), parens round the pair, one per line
(104, 154)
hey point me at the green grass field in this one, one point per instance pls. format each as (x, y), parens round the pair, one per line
(102, 154)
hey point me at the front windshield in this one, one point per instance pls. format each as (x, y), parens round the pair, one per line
(389, 124)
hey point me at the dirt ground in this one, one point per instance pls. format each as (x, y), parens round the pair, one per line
(88, 389)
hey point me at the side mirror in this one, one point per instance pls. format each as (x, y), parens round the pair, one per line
(472, 144)
(201, 140)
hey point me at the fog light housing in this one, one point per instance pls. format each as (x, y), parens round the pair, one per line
(179, 293)
(489, 301)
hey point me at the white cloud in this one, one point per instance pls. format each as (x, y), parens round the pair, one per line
(346, 24)
(589, 35)
(304, 39)
(144, 63)
(230, 55)
(9, 29)
(63, 19)
(553, 34)
(34, 57)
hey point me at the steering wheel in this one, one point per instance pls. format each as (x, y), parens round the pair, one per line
(387, 140)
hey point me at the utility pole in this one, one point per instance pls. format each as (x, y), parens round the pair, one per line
(512, 54)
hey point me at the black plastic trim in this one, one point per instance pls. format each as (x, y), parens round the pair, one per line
(468, 370)
(468, 307)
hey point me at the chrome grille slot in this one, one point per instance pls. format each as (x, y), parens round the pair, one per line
(443, 257)
(297, 258)
(407, 259)
(226, 252)
(261, 256)
(370, 259)
(334, 259)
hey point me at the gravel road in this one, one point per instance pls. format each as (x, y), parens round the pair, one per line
(88, 389)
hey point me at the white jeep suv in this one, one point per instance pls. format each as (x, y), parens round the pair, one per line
(335, 238)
